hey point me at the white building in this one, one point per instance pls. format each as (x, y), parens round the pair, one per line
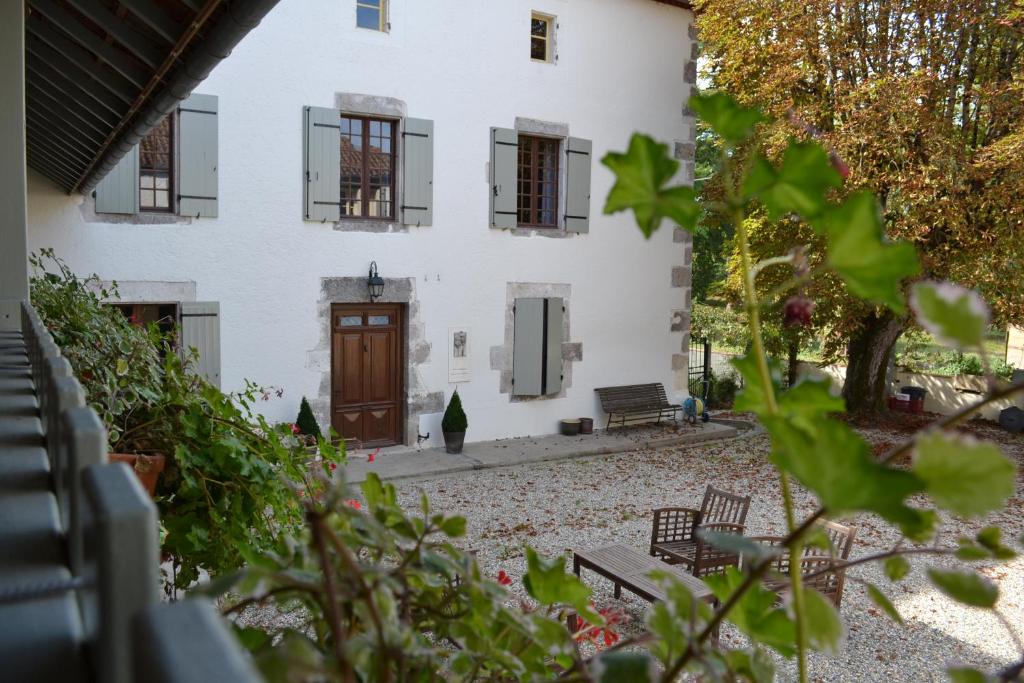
(485, 124)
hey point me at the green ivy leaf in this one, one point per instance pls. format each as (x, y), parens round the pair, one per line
(121, 367)
(991, 539)
(954, 315)
(754, 395)
(548, 583)
(741, 545)
(896, 567)
(871, 267)
(624, 667)
(968, 477)
(756, 613)
(966, 587)
(836, 463)
(454, 527)
(756, 666)
(965, 674)
(732, 121)
(799, 185)
(882, 601)
(824, 629)
(640, 177)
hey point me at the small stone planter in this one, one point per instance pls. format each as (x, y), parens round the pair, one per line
(453, 441)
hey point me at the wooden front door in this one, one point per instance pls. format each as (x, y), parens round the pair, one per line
(366, 372)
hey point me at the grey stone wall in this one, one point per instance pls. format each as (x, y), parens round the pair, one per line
(682, 274)
(353, 290)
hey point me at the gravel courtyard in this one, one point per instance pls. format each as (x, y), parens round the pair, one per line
(557, 506)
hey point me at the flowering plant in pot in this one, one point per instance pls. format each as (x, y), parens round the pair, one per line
(229, 476)
(454, 425)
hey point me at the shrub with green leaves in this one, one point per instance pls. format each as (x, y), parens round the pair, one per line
(306, 422)
(390, 597)
(230, 476)
(454, 419)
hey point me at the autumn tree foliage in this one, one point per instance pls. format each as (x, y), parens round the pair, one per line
(922, 102)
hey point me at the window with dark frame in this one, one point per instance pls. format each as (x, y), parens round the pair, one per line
(367, 167)
(156, 166)
(537, 177)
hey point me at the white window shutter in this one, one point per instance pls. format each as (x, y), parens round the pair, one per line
(197, 156)
(553, 346)
(504, 157)
(418, 172)
(118, 192)
(537, 347)
(528, 347)
(200, 329)
(577, 183)
(321, 136)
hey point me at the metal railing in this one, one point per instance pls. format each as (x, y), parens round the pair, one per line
(109, 528)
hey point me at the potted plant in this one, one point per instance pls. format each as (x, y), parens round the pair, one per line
(454, 424)
(306, 427)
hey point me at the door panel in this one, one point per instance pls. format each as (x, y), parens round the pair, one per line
(379, 375)
(366, 372)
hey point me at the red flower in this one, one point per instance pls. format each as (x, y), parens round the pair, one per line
(333, 466)
(504, 579)
(798, 312)
(373, 456)
(354, 504)
(597, 633)
(295, 429)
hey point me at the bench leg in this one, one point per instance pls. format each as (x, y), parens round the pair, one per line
(576, 566)
(618, 591)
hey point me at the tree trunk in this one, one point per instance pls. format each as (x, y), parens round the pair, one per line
(793, 351)
(868, 356)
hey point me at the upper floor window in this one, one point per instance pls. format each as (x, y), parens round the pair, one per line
(156, 155)
(542, 37)
(372, 14)
(537, 182)
(367, 167)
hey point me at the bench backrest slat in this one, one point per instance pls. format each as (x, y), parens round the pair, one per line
(632, 397)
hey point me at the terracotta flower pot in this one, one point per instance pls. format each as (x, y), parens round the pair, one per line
(147, 467)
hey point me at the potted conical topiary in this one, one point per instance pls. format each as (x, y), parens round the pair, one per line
(305, 423)
(454, 424)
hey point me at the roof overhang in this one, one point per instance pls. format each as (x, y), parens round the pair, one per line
(100, 74)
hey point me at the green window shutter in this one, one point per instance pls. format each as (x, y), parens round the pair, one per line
(528, 347)
(200, 329)
(197, 156)
(553, 346)
(418, 172)
(504, 157)
(321, 137)
(577, 183)
(118, 192)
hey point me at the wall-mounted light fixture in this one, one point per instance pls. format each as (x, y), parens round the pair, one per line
(375, 282)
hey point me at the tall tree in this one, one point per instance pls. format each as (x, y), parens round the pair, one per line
(923, 102)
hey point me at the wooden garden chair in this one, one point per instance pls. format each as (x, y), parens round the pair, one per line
(824, 572)
(674, 537)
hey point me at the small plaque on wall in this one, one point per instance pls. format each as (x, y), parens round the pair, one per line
(459, 367)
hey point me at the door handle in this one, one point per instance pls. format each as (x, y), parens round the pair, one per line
(366, 348)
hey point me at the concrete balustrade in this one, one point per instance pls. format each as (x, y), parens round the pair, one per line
(79, 550)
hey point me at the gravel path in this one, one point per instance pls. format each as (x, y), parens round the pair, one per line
(576, 503)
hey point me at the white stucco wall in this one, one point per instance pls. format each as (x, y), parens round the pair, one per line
(463, 64)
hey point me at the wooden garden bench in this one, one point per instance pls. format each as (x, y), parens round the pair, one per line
(636, 403)
(674, 537)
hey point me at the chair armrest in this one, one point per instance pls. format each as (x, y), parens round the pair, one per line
(723, 526)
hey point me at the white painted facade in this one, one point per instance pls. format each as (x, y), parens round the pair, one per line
(464, 65)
